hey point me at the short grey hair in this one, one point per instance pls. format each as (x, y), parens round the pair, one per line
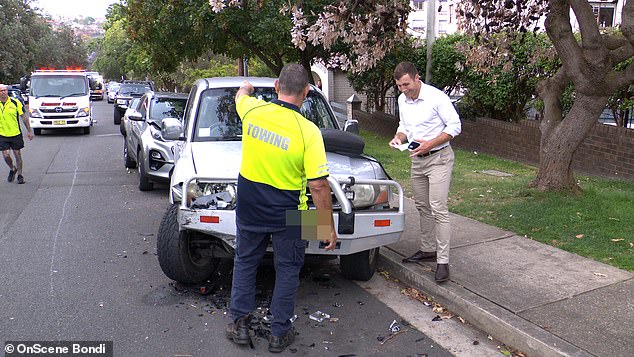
(293, 79)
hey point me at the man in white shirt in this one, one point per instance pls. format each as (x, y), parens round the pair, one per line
(428, 120)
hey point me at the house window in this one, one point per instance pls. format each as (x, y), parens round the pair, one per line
(418, 4)
(604, 13)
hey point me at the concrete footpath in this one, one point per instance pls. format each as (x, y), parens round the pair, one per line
(531, 296)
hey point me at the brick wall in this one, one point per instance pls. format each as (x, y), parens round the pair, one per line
(606, 151)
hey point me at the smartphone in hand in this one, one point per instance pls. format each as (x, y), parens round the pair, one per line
(413, 145)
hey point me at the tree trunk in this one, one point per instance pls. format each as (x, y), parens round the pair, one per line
(561, 138)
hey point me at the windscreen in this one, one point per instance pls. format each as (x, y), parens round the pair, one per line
(129, 89)
(58, 86)
(217, 119)
(167, 108)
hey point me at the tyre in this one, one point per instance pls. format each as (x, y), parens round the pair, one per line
(178, 254)
(86, 130)
(359, 266)
(144, 182)
(127, 160)
(121, 128)
(37, 131)
(117, 116)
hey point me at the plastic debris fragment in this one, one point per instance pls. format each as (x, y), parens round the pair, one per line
(319, 316)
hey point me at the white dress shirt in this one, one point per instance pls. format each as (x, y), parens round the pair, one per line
(428, 116)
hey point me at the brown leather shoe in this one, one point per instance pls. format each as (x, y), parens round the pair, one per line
(419, 256)
(442, 273)
(279, 344)
(238, 331)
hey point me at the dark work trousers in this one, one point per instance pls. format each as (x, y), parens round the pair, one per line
(288, 255)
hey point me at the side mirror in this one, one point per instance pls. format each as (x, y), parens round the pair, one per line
(351, 126)
(136, 116)
(171, 129)
(23, 83)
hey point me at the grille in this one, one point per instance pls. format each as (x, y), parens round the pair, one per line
(58, 110)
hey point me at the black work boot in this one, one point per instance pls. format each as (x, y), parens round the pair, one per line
(238, 331)
(279, 344)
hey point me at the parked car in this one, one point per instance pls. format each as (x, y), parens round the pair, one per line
(112, 89)
(95, 81)
(144, 146)
(18, 94)
(128, 90)
(199, 226)
(133, 108)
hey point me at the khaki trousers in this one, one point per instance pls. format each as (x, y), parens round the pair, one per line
(431, 177)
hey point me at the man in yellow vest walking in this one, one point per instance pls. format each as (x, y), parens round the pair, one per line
(11, 134)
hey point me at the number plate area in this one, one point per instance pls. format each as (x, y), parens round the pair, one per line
(59, 122)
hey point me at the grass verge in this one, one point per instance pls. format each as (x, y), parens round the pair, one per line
(596, 223)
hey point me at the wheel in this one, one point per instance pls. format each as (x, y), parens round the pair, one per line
(179, 256)
(86, 130)
(117, 116)
(127, 160)
(121, 128)
(144, 183)
(37, 131)
(359, 266)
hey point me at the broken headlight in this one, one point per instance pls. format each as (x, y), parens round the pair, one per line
(207, 195)
(363, 196)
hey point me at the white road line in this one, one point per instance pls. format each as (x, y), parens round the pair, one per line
(108, 135)
(59, 225)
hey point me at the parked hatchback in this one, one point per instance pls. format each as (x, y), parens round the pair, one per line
(144, 146)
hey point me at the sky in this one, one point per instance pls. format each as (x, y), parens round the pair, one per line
(74, 8)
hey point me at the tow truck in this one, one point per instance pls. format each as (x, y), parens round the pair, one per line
(60, 99)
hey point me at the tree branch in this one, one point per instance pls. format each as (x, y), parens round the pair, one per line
(590, 35)
(627, 23)
(560, 33)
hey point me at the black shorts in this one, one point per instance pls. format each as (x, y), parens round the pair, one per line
(11, 142)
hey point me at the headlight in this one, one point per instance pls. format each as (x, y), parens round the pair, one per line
(83, 112)
(211, 195)
(367, 195)
(35, 113)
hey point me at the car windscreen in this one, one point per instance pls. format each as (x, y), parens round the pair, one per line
(58, 86)
(128, 89)
(167, 108)
(217, 119)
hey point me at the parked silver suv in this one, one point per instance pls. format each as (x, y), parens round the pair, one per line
(199, 226)
(144, 146)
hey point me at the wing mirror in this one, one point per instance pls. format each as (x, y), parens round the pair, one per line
(171, 129)
(136, 116)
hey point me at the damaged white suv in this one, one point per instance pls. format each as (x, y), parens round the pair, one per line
(199, 227)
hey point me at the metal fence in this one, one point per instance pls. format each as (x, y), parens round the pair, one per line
(391, 105)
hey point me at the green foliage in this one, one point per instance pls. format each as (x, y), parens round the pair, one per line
(447, 62)
(376, 81)
(180, 31)
(502, 91)
(28, 42)
(119, 57)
